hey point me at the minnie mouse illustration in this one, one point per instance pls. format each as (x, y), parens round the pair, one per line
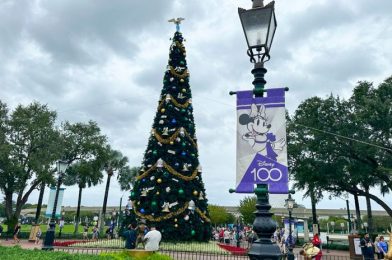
(258, 137)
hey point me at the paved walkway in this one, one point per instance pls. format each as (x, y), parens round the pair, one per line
(23, 243)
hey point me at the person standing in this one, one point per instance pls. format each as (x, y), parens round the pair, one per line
(316, 241)
(383, 247)
(85, 232)
(226, 236)
(152, 239)
(16, 233)
(38, 235)
(130, 237)
(367, 247)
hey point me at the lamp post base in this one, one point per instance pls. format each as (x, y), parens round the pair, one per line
(264, 226)
(260, 250)
(49, 236)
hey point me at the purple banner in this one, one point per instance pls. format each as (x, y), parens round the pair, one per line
(261, 141)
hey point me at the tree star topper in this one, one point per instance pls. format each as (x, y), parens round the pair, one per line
(177, 22)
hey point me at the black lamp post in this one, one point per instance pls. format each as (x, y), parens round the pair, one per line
(259, 25)
(290, 202)
(49, 237)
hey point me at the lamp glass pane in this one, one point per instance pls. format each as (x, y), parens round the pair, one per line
(61, 166)
(271, 31)
(255, 23)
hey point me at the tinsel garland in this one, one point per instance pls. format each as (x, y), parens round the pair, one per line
(159, 219)
(170, 215)
(173, 137)
(170, 170)
(181, 76)
(185, 105)
(202, 215)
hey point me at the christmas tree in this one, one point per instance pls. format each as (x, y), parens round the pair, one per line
(169, 191)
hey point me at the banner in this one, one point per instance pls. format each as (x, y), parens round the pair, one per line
(261, 141)
(52, 195)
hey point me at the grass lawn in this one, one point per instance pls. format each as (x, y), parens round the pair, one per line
(210, 247)
(16, 253)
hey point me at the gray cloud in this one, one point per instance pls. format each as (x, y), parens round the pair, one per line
(105, 60)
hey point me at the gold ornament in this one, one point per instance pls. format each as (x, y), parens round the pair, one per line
(159, 180)
(182, 80)
(157, 193)
(175, 220)
(171, 142)
(195, 193)
(184, 90)
(163, 110)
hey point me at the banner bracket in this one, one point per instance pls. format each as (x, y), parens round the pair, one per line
(265, 90)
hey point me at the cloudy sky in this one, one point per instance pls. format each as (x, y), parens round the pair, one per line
(104, 61)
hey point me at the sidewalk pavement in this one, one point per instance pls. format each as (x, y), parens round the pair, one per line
(23, 244)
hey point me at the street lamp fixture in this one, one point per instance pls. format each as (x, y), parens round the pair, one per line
(50, 233)
(259, 25)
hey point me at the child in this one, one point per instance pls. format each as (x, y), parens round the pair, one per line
(38, 236)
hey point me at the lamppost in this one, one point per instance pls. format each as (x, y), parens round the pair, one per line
(259, 25)
(49, 237)
(342, 226)
(290, 202)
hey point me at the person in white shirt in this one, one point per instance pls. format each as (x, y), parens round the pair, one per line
(152, 239)
(226, 236)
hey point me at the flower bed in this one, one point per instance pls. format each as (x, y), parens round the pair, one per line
(233, 249)
(68, 242)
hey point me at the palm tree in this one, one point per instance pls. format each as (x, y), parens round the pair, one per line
(115, 162)
(85, 174)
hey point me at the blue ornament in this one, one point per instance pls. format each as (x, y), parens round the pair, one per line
(143, 180)
(142, 210)
(174, 121)
(183, 153)
(176, 164)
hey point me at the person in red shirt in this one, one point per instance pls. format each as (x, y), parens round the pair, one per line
(316, 241)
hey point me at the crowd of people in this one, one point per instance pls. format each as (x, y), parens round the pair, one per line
(370, 248)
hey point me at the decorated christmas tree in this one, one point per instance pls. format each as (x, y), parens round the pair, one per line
(169, 191)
